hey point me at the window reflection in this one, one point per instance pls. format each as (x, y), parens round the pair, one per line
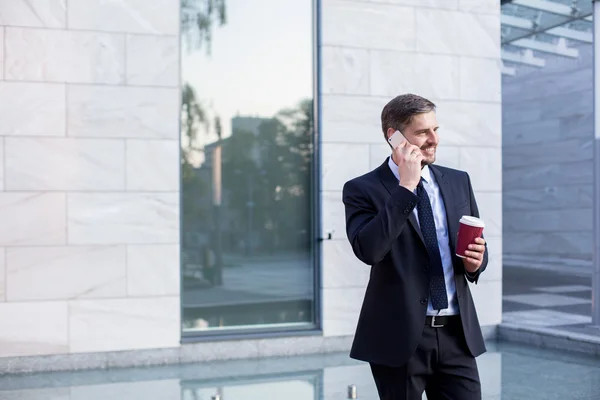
(290, 388)
(247, 161)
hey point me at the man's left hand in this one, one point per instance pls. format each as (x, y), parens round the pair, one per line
(474, 255)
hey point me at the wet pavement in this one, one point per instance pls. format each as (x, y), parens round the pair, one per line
(507, 371)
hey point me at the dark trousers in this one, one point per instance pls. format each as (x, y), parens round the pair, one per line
(442, 367)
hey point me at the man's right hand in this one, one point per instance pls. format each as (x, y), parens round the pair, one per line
(408, 157)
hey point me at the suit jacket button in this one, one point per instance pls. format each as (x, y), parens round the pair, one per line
(423, 301)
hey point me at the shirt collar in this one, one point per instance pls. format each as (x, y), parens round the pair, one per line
(425, 172)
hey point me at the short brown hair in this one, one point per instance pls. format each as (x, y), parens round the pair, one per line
(399, 112)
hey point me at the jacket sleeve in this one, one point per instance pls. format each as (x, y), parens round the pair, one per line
(474, 277)
(372, 233)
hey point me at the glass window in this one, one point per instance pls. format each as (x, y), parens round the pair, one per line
(247, 131)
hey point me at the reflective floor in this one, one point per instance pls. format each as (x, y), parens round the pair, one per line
(507, 371)
(549, 299)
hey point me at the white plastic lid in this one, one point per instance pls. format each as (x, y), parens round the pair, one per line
(472, 221)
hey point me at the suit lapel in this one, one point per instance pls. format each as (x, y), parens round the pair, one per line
(448, 196)
(391, 183)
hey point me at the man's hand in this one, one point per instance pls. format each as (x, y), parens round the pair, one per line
(474, 255)
(408, 158)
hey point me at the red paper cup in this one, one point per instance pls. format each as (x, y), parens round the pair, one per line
(469, 229)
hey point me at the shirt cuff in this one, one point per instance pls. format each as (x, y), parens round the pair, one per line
(472, 275)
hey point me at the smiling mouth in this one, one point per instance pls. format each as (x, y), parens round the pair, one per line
(429, 150)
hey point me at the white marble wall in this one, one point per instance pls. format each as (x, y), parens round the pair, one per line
(445, 50)
(89, 255)
(89, 179)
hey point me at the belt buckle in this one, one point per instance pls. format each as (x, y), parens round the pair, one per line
(433, 325)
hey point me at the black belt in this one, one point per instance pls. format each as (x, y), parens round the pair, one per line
(440, 321)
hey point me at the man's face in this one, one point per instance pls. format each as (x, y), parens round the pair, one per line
(422, 132)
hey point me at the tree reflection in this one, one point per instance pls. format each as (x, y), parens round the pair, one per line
(246, 190)
(198, 17)
(266, 182)
(266, 176)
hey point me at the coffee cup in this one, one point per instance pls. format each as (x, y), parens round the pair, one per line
(469, 229)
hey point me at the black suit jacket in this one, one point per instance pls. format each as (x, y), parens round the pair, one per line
(384, 233)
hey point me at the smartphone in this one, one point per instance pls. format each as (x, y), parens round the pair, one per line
(396, 139)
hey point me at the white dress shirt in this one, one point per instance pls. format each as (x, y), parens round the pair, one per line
(441, 229)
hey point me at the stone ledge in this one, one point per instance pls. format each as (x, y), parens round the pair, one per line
(551, 338)
(189, 353)
(490, 332)
(184, 354)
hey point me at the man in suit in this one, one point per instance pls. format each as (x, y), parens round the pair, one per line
(418, 327)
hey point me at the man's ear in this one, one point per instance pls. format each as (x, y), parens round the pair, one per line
(390, 132)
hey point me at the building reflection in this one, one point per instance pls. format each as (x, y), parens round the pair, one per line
(247, 227)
